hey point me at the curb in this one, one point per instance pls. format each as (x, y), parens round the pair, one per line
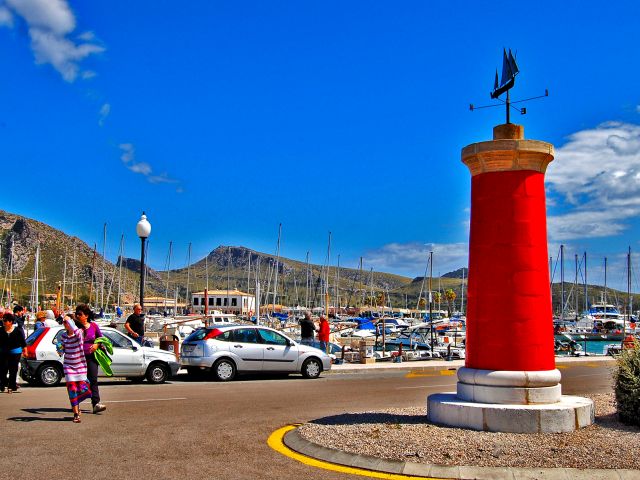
(297, 443)
(439, 365)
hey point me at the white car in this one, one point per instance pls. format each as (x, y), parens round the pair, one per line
(43, 363)
(229, 349)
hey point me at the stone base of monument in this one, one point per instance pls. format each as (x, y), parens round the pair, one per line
(510, 401)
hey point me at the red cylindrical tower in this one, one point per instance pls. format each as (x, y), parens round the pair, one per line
(509, 318)
(509, 383)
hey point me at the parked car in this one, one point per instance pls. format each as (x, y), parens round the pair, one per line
(231, 349)
(43, 364)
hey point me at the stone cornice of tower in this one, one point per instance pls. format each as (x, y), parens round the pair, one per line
(508, 151)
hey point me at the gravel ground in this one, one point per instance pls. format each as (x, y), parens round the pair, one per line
(405, 434)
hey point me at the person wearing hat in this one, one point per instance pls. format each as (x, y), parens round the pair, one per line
(40, 319)
(12, 346)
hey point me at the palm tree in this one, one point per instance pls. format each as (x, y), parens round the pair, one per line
(450, 296)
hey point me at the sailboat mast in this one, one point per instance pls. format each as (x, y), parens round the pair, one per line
(120, 257)
(104, 248)
(337, 291)
(562, 282)
(575, 286)
(462, 294)
(258, 290)
(605, 281)
(307, 285)
(431, 297)
(248, 271)
(326, 303)
(360, 278)
(166, 290)
(93, 267)
(64, 278)
(627, 318)
(275, 285)
(228, 279)
(586, 294)
(188, 296)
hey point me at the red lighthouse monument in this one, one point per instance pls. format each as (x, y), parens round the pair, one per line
(509, 382)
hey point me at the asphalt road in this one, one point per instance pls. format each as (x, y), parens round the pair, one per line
(206, 430)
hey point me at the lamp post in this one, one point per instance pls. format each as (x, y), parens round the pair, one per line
(143, 229)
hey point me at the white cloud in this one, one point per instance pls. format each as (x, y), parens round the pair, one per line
(50, 22)
(52, 15)
(6, 17)
(128, 157)
(63, 54)
(105, 110)
(597, 174)
(410, 259)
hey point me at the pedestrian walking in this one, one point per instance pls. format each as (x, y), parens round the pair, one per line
(307, 329)
(90, 331)
(12, 346)
(75, 366)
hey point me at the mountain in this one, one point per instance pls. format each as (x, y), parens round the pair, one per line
(227, 267)
(19, 238)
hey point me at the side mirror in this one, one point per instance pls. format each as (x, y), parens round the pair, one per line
(134, 348)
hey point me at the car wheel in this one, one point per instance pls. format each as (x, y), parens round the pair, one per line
(157, 373)
(311, 368)
(224, 370)
(49, 375)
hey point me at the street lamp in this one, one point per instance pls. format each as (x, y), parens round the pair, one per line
(143, 229)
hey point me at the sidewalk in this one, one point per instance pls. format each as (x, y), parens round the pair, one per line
(434, 365)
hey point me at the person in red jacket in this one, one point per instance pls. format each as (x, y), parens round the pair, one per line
(323, 333)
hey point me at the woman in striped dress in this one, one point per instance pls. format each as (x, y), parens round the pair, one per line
(75, 366)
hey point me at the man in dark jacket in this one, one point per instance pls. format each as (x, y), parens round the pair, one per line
(18, 313)
(307, 329)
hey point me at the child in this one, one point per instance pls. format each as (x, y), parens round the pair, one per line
(75, 366)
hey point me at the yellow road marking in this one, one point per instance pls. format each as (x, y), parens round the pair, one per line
(560, 367)
(414, 374)
(276, 442)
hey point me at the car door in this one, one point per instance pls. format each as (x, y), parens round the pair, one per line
(247, 349)
(279, 355)
(127, 358)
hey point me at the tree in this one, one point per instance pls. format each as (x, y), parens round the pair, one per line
(422, 303)
(450, 296)
(437, 297)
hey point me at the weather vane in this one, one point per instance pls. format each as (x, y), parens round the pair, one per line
(507, 81)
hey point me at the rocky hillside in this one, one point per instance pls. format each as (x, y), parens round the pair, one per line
(19, 239)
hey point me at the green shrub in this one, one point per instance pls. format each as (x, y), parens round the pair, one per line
(627, 385)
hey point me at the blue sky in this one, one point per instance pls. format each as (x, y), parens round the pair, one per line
(223, 119)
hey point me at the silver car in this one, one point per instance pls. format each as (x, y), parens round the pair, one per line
(228, 350)
(43, 364)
